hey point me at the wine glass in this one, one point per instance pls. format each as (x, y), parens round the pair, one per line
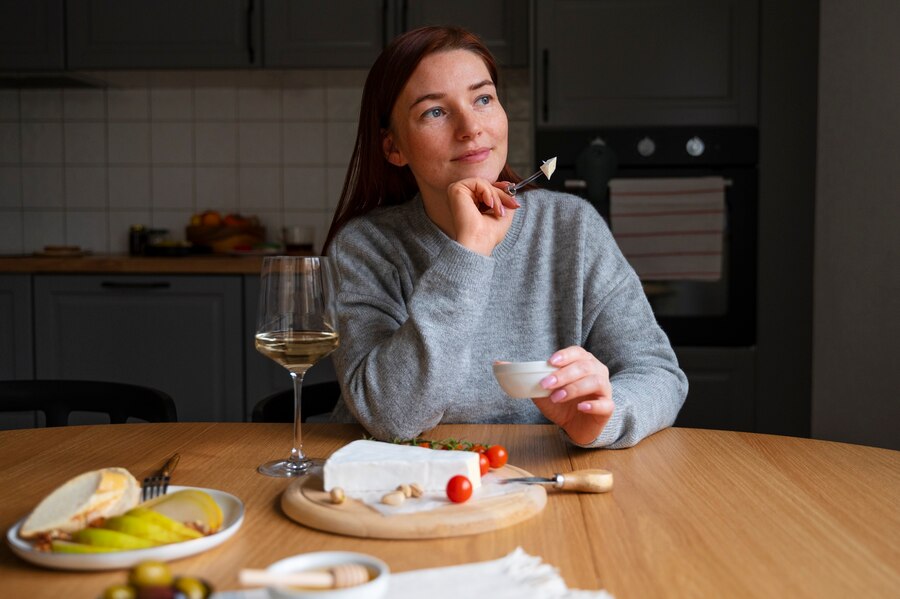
(296, 326)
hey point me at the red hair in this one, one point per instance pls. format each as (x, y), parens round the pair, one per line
(371, 180)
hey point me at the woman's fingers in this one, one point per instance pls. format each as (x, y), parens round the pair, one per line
(580, 375)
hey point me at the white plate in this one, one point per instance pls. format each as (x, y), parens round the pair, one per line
(232, 518)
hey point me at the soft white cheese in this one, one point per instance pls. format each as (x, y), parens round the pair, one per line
(366, 466)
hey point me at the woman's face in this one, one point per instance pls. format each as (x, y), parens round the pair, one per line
(447, 123)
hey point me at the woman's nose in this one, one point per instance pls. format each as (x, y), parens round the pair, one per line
(467, 125)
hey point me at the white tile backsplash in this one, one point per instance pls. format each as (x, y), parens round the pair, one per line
(129, 187)
(129, 143)
(42, 228)
(10, 188)
(259, 143)
(216, 142)
(9, 104)
(87, 229)
(215, 104)
(11, 241)
(128, 104)
(171, 104)
(304, 188)
(304, 143)
(259, 188)
(85, 143)
(216, 188)
(85, 187)
(82, 166)
(10, 149)
(41, 104)
(84, 104)
(42, 187)
(173, 187)
(171, 143)
(41, 142)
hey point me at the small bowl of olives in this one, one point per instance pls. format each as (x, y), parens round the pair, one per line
(154, 580)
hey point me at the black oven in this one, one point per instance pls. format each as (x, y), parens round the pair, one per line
(693, 313)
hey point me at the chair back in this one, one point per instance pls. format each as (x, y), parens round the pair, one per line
(316, 399)
(58, 398)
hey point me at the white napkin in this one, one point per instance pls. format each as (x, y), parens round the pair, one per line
(515, 576)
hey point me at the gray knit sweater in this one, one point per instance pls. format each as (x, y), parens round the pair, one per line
(422, 319)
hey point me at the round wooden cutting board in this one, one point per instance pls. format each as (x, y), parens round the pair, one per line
(306, 502)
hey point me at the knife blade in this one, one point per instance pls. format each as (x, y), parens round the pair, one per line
(585, 481)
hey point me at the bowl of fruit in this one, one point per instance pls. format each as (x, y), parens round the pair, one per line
(222, 234)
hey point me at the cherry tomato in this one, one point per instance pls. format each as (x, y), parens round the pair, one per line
(478, 448)
(484, 463)
(425, 444)
(459, 489)
(497, 456)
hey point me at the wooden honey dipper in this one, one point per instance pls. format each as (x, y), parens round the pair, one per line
(337, 577)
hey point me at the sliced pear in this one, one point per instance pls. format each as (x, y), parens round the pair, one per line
(142, 528)
(163, 521)
(61, 546)
(189, 505)
(103, 537)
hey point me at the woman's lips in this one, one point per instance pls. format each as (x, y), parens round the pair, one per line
(478, 155)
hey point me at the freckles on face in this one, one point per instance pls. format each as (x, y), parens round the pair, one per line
(448, 124)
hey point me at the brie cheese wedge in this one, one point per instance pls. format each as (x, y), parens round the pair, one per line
(367, 466)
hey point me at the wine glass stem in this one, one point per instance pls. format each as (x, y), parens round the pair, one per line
(297, 449)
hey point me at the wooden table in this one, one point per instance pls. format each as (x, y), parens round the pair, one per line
(693, 513)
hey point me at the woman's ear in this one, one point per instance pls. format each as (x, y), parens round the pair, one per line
(391, 153)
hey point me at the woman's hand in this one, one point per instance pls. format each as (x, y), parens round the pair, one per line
(581, 400)
(481, 213)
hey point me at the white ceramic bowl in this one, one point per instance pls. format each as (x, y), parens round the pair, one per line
(374, 589)
(521, 380)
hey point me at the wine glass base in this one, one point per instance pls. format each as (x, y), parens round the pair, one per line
(290, 468)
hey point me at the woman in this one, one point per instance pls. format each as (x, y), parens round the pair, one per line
(443, 272)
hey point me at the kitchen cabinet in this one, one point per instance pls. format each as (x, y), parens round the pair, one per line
(263, 376)
(646, 62)
(31, 35)
(16, 342)
(722, 387)
(179, 334)
(163, 34)
(351, 33)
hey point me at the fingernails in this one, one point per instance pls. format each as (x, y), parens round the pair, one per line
(502, 210)
(584, 406)
(558, 395)
(548, 381)
(555, 360)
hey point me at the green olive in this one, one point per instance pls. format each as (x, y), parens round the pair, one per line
(150, 574)
(191, 588)
(119, 591)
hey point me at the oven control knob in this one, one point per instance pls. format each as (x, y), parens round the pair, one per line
(646, 147)
(695, 146)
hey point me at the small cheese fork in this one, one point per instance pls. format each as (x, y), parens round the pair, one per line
(547, 168)
(586, 481)
(340, 576)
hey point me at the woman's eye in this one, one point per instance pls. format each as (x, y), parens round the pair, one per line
(484, 100)
(433, 113)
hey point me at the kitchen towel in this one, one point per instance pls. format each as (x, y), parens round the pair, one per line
(515, 576)
(670, 229)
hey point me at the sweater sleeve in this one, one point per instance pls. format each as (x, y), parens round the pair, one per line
(621, 330)
(399, 355)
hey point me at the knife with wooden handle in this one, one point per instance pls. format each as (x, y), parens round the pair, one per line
(585, 481)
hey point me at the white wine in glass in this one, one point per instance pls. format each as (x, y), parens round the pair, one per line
(296, 327)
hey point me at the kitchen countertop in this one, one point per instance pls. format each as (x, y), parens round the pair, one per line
(124, 264)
